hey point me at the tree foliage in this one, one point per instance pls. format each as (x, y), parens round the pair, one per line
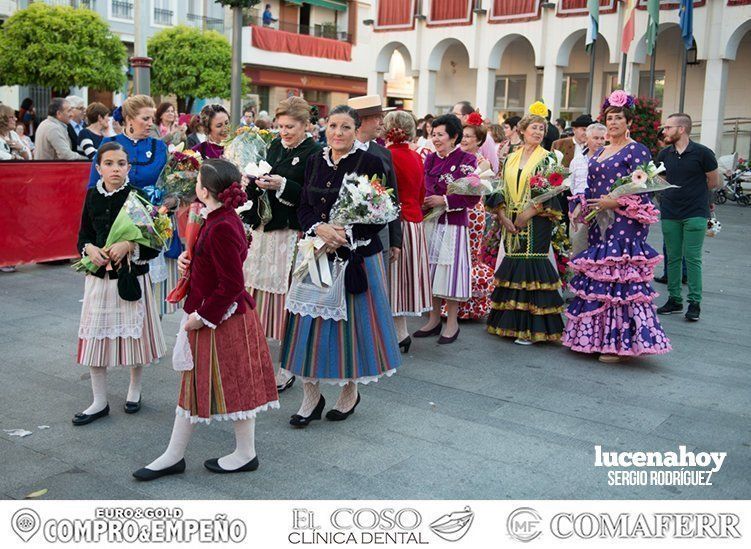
(190, 63)
(60, 47)
(239, 3)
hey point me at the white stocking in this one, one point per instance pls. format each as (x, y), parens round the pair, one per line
(245, 446)
(311, 395)
(400, 323)
(99, 388)
(134, 390)
(178, 442)
(347, 398)
(282, 376)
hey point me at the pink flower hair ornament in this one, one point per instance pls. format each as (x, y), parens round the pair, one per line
(621, 99)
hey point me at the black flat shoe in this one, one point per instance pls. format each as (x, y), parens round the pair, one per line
(443, 340)
(132, 407)
(84, 419)
(661, 279)
(146, 475)
(427, 333)
(301, 421)
(286, 385)
(213, 466)
(405, 344)
(336, 415)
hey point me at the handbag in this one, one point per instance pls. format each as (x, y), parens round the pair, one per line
(128, 286)
(304, 297)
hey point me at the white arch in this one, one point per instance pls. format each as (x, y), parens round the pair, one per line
(496, 54)
(730, 51)
(567, 46)
(383, 61)
(639, 48)
(439, 50)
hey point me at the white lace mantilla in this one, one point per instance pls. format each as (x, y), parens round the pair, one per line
(234, 416)
(269, 262)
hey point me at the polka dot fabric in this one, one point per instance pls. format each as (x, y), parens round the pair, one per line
(613, 308)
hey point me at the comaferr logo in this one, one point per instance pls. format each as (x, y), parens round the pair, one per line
(641, 525)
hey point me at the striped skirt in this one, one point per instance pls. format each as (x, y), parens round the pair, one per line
(232, 375)
(410, 276)
(108, 349)
(450, 262)
(162, 289)
(361, 349)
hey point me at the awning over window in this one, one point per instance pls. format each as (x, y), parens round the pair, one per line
(337, 5)
(514, 11)
(395, 14)
(669, 4)
(450, 12)
(579, 7)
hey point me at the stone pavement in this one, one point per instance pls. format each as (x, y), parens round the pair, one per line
(480, 419)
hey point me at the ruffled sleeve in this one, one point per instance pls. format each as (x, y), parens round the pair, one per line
(639, 208)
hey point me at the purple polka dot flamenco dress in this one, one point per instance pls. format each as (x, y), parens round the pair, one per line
(613, 311)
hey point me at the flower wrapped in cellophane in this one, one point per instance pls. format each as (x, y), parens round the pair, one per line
(253, 171)
(364, 201)
(180, 173)
(548, 182)
(479, 182)
(644, 179)
(246, 145)
(137, 221)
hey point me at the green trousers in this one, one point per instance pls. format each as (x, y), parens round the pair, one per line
(684, 238)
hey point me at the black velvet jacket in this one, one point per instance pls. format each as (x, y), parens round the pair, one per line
(289, 163)
(321, 189)
(99, 213)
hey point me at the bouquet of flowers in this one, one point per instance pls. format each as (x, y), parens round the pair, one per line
(644, 179)
(480, 182)
(138, 221)
(548, 182)
(192, 229)
(267, 136)
(245, 146)
(361, 201)
(180, 173)
(561, 251)
(253, 171)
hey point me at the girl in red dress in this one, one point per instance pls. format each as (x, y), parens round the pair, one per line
(227, 369)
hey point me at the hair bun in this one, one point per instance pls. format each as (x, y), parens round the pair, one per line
(396, 135)
(233, 196)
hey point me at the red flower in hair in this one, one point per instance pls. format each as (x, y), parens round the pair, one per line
(474, 119)
(396, 135)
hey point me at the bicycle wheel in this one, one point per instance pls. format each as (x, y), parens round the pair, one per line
(720, 197)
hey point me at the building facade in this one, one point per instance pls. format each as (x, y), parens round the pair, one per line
(504, 54)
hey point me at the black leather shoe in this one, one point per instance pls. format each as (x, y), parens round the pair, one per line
(286, 385)
(301, 421)
(662, 279)
(405, 344)
(132, 407)
(336, 415)
(145, 474)
(446, 340)
(213, 466)
(670, 307)
(694, 311)
(427, 333)
(84, 419)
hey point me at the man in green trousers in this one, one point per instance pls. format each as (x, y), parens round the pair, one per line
(684, 210)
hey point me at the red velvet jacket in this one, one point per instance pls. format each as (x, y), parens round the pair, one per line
(216, 271)
(410, 178)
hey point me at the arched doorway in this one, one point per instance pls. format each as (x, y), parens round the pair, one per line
(736, 116)
(454, 80)
(516, 81)
(400, 85)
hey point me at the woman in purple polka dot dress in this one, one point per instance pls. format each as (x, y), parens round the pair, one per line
(612, 312)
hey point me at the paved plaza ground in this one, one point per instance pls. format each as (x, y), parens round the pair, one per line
(480, 419)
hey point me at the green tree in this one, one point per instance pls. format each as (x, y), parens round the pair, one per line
(60, 47)
(190, 64)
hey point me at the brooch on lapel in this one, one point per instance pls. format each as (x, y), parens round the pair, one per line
(148, 154)
(453, 168)
(295, 160)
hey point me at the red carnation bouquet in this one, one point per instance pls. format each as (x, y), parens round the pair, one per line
(549, 181)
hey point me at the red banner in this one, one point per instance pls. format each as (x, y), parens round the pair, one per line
(579, 7)
(42, 204)
(300, 44)
(395, 14)
(450, 12)
(507, 11)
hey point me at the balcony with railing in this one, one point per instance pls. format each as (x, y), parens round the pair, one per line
(252, 18)
(122, 9)
(163, 17)
(208, 23)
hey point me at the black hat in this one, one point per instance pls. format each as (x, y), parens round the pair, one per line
(583, 121)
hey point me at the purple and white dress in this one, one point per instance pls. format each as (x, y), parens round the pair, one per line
(613, 310)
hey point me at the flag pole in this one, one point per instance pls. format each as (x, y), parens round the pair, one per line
(652, 59)
(591, 86)
(682, 102)
(623, 70)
